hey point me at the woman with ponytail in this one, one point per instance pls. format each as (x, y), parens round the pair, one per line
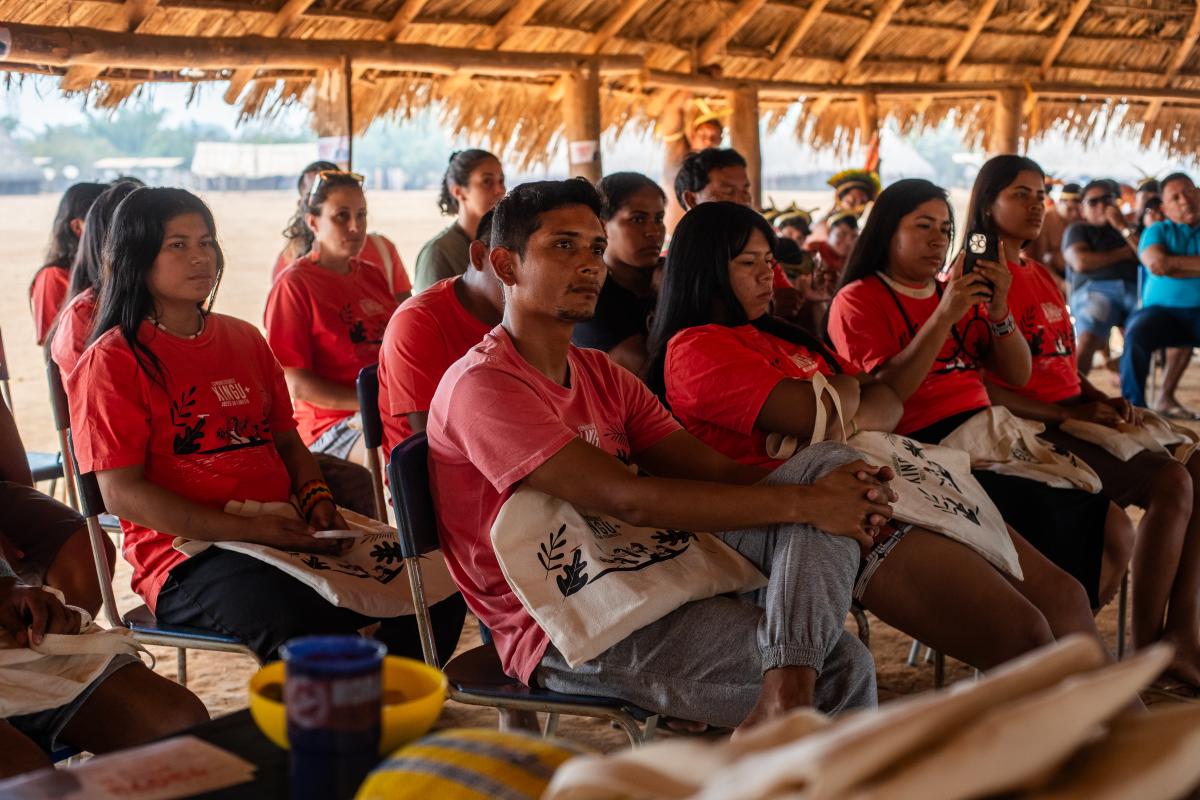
(472, 185)
(48, 291)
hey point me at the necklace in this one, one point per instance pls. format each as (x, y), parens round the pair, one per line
(165, 329)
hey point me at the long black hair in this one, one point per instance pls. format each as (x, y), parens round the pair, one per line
(85, 271)
(870, 253)
(74, 204)
(616, 188)
(995, 176)
(299, 237)
(696, 289)
(134, 241)
(458, 173)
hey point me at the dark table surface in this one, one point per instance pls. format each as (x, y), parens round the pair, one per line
(238, 734)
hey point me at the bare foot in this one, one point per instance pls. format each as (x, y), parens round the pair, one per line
(783, 689)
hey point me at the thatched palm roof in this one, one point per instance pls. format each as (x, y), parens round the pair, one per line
(495, 64)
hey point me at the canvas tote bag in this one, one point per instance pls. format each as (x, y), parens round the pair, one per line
(45, 676)
(934, 486)
(998, 441)
(1156, 434)
(589, 580)
(359, 578)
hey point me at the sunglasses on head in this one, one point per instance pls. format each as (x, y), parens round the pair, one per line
(328, 174)
(1101, 200)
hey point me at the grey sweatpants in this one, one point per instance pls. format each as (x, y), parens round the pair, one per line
(705, 660)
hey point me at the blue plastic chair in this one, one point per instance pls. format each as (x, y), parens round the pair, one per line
(367, 386)
(475, 677)
(43, 466)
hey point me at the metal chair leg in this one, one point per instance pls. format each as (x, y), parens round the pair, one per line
(181, 666)
(864, 625)
(551, 727)
(939, 670)
(913, 653)
(650, 729)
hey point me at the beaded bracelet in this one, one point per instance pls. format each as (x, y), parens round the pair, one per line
(1004, 327)
(312, 493)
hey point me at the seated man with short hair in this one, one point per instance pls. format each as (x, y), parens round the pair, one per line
(1170, 316)
(527, 408)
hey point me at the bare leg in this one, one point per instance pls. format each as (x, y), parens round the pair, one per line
(131, 707)
(783, 689)
(1183, 612)
(1087, 346)
(17, 753)
(1158, 550)
(946, 595)
(1178, 359)
(1060, 598)
(73, 571)
(1118, 547)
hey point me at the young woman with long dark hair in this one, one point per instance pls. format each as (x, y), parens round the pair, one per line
(930, 342)
(733, 374)
(179, 410)
(48, 291)
(634, 211)
(377, 249)
(73, 329)
(326, 316)
(1006, 202)
(472, 185)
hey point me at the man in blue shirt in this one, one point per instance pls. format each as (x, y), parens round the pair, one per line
(1170, 316)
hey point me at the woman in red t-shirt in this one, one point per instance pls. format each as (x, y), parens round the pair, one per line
(326, 316)
(732, 374)
(48, 291)
(930, 341)
(1008, 198)
(179, 411)
(72, 331)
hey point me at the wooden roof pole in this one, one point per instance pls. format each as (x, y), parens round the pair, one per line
(134, 14)
(982, 15)
(878, 26)
(744, 136)
(726, 29)
(521, 12)
(603, 36)
(1064, 33)
(278, 25)
(789, 45)
(1006, 123)
(581, 116)
(1181, 56)
(407, 12)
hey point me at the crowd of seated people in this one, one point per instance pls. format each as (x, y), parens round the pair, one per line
(556, 333)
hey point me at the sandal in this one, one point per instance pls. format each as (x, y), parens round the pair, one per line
(1177, 412)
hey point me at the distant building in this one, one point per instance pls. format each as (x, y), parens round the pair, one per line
(242, 165)
(18, 173)
(153, 170)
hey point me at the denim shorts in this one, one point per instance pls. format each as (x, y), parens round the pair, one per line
(339, 439)
(1099, 305)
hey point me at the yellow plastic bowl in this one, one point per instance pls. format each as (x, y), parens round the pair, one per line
(422, 687)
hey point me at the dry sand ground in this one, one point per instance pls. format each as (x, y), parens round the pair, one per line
(249, 226)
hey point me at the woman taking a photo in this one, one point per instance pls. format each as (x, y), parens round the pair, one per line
(634, 210)
(930, 342)
(326, 316)
(1166, 557)
(733, 374)
(472, 185)
(48, 291)
(179, 411)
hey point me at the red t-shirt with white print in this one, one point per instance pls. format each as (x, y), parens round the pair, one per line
(205, 433)
(75, 324)
(328, 323)
(1044, 320)
(46, 296)
(718, 378)
(378, 250)
(494, 420)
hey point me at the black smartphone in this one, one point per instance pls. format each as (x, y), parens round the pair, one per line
(979, 246)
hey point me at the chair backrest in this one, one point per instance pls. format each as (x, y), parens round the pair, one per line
(91, 505)
(59, 407)
(91, 502)
(408, 475)
(368, 406)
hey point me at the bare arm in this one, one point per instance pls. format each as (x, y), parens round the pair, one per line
(302, 466)
(1026, 407)
(842, 503)
(417, 420)
(1009, 358)
(630, 353)
(14, 465)
(306, 385)
(1160, 262)
(1081, 259)
(879, 408)
(791, 407)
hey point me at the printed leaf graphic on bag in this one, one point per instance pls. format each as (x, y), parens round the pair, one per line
(549, 555)
(573, 577)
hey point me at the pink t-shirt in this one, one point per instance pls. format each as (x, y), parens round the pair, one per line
(428, 333)
(494, 420)
(75, 323)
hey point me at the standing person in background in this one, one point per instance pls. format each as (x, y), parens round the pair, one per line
(326, 315)
(377, 249)
(48, 291)
(1101, 253)
(472, 185)
(633, 214)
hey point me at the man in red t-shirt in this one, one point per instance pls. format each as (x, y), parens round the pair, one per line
(526, 408)
(431, 331)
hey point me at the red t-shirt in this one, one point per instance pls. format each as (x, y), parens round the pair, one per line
(868, 328)
(779, 279)
(832, 258)
(206, 433)
(494, 420)
(373, 253)
(1042, 316)
(428, 333)
(73, 331)
(46, 296)
(329, 323)
(718, 379)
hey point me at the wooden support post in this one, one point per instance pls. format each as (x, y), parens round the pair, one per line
(333, 115)
(868, 117)
(672, 130)
(743, 134)
(1006, 123)
(581, 113)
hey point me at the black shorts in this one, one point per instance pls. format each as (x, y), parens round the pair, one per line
(36, 525)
